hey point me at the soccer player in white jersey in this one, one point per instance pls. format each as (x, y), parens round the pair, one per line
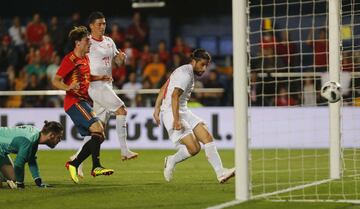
(186, 129)
(103, 54)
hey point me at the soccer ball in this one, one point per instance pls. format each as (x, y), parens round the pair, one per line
(331, 91)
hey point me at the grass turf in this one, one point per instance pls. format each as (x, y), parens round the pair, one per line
(135, 184)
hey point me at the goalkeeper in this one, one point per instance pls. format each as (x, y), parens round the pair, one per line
(24, 141)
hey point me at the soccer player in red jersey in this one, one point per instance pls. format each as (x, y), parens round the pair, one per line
(73, 76)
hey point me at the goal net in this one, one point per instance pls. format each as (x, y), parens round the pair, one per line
(290, 53)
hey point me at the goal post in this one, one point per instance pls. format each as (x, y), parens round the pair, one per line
(240, 64)
(334, 75)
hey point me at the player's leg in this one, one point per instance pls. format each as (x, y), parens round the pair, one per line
(203, 135)
(87, 124)
(186, 141)
(108, 99)
(126, 153)
(7, 173)
(103, 115)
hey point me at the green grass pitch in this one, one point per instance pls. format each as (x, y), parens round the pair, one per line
(135, 184)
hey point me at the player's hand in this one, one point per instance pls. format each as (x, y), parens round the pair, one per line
(177, 125)
(74, 85)
(156, 116)
(106, 78)
(121, 56)
(11, 184)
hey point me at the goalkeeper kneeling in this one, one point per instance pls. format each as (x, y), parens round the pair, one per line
(24, 141)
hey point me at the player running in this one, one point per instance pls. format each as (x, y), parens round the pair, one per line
(103, 55)
(24, 141)
(183, 126)
(73, 76)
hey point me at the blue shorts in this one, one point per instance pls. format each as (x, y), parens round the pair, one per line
(83, 117)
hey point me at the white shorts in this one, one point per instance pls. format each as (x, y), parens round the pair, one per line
(188, 120)
(105, 100)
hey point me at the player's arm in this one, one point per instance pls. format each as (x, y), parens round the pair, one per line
(58, 82)
(34, 169)
(158, 102)
(65, 68)
(119, 58)
(175, 97)
(23, 146)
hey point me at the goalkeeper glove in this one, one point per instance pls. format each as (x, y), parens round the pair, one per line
(11, 184)
(40, 184)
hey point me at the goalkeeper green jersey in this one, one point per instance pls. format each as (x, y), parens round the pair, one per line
(23, 141)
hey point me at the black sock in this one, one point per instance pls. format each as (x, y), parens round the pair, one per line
(95, 152)
(90, 147)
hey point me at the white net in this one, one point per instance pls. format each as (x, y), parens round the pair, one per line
(289, 121)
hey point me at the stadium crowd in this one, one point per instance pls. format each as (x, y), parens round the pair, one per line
(30, 56)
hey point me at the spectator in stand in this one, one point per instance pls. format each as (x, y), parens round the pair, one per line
(286, 50)
(164, 54)
(145, 56)
(347, 61)
(117, 35)
(52, 69)
(57, 35)
(30, 56)
(38, 69)
(320, 49)
(181, 47)
(176, 61)
(283, 98)
(132, 55)
(3, 28)
(310, 95)
(212, 99)
(8, 54)
(17, 33)
(255, 90)
(33, 101)
(137, 31)
(132, 85)
(75, 22)
(19, 83)
(46, 50)
(119, 75)
(155, 71)
(35, 31)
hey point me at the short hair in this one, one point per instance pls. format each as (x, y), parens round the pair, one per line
(52, 126)
(94, 16)
(78, 33)
(200, 53)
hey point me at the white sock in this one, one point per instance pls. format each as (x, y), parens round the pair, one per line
(121, 131)
(181, 155)
(213, 157)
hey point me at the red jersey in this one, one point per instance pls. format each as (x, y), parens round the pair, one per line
(75, 69)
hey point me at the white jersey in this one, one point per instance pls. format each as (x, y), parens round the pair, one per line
(101, 55)
(183, 78)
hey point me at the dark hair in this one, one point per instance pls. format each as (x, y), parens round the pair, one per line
(52, 126)
(77, 34)
(200, 53)
(94, 16)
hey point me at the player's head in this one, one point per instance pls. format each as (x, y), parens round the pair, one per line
(53, 131)
(97, 24)
(200, 60)
(79, 37)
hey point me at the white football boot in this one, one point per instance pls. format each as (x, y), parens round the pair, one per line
(226, 174)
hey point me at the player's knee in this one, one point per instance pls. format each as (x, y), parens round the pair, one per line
(194, 150)
(99, 136)
(121, 111)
